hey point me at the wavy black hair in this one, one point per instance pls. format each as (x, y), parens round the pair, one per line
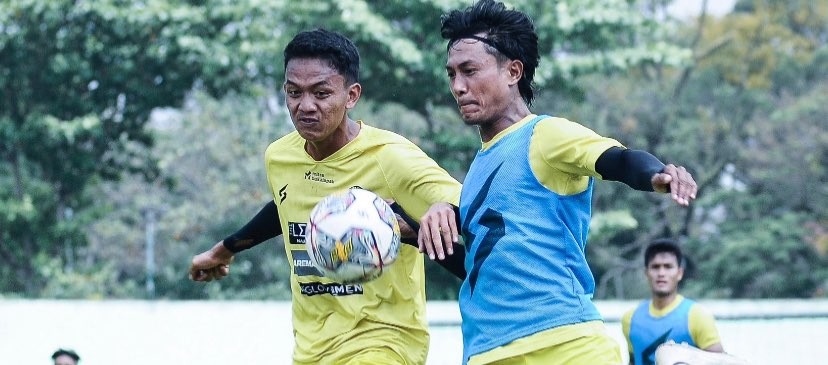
(323, 44)
(508, 34)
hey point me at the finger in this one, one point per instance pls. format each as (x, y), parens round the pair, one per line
(676, 186)
(444, 238)
(434, 239)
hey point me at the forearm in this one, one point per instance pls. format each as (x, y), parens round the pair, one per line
(635, 168)
(264, 226)
(453, 263)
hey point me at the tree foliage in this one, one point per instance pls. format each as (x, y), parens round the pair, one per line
(84, 177)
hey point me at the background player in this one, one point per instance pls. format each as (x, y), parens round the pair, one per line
(667, 315)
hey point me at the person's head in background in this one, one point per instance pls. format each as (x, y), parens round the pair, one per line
(663, 265)
(65, 357)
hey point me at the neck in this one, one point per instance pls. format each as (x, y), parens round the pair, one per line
(661, 302)
(347, 132)
(515, 111)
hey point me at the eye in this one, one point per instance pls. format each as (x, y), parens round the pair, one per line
(322, 94)
(293, 93)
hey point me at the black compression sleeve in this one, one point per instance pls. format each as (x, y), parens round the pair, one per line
(632, 167)
(264, 226)
(453, 263)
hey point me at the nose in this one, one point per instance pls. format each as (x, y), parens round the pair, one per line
(306, 104)
(458, 86)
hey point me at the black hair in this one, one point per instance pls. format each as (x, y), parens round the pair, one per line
(663, 245)
(330, 46)
(509, 33)
(70, 353)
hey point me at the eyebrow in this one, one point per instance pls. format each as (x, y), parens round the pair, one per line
(320, 83)
(461, 64)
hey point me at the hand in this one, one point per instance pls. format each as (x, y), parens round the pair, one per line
(438, 229)
(212, 264)
(677, 181)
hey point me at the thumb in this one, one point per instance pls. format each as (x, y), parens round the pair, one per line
(661, 181)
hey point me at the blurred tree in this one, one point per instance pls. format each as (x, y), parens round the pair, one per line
(747, 117)
(78, 80)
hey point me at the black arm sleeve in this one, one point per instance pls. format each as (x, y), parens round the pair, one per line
(452, 263)
(264, 226)
(632, 167)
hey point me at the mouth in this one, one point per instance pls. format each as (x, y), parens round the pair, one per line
(306, 120)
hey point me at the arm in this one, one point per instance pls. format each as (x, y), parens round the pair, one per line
(626, 321)
(702, 326)
(642, 171)
(215, 262)
(453, 262)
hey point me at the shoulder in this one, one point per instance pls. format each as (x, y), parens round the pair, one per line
(390, 144)
(558, 126)
(698, 311)
(288, 141)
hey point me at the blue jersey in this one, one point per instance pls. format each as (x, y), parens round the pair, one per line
(527, 270)
(647, 331)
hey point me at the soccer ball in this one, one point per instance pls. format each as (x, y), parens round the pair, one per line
(352, 236)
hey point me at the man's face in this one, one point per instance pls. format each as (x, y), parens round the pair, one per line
(317, 97)
(64, 360)
(664, 274)
(479, 84)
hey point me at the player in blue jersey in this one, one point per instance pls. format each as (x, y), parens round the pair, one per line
(668, 315)
(525, 205)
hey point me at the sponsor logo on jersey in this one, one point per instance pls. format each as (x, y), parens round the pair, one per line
(317, 176)
(335, 289)
(296, 233)
(283, 194)
(302, 264)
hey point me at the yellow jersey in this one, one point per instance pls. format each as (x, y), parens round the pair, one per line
(333, 321)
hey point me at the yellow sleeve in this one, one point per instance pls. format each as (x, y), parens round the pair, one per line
(416, 180)
(563, 153)
(703, 327)
(626, 320)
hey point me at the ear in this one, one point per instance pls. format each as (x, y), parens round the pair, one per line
(514, 70)
(354, 92)
(680, 273)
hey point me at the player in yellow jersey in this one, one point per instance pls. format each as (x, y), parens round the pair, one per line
(379, 322)
(667, 315)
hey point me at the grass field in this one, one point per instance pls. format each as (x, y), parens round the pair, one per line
(242, 333)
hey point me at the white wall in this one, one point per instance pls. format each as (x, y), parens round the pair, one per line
(242, 333)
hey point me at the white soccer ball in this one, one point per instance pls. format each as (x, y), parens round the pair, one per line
(352, 236)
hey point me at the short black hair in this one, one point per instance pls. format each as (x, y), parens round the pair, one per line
(70, 353)
(663, 245)
(509, 33)
(323, 44)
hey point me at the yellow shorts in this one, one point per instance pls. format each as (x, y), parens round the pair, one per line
(593, 349)
(376, 356)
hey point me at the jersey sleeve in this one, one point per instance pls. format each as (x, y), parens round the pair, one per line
(416, 181)
(626, 320)
(569, 147)
(703, 327)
